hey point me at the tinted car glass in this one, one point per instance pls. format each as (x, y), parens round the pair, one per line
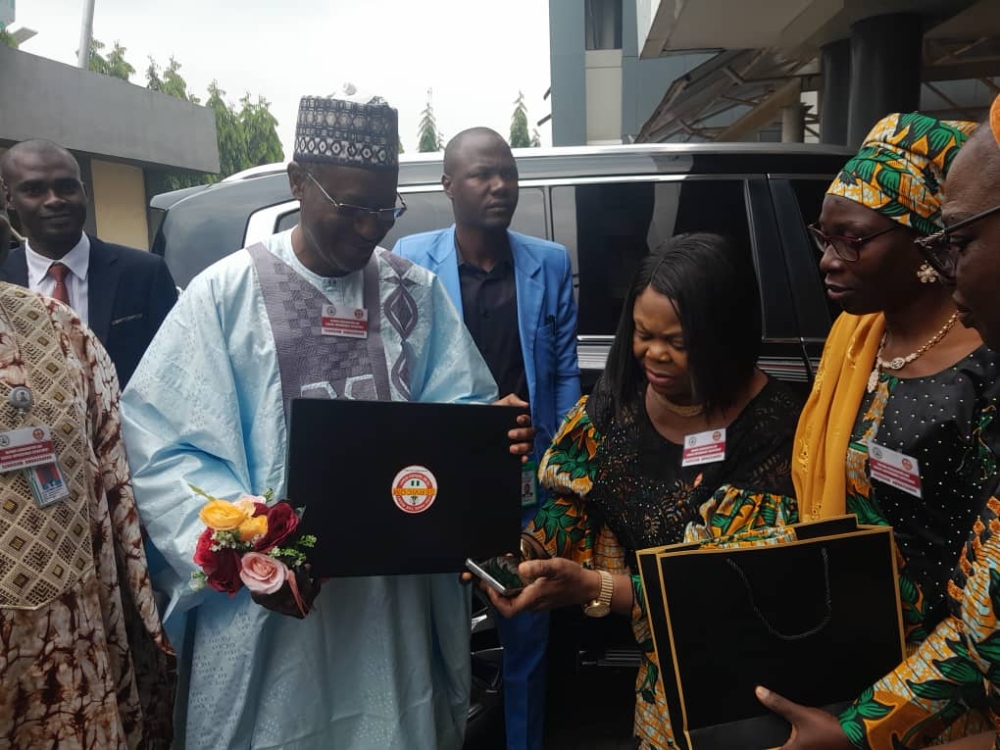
(810, 197)
(431, 210)
(609, 228)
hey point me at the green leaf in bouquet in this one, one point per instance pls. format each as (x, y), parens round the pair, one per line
(199, 491)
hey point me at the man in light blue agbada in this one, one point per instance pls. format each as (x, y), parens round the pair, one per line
(515, 294)
(378, 662)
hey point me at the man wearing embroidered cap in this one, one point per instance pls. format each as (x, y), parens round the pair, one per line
(379, 662)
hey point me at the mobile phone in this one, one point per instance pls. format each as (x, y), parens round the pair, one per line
(499, 573)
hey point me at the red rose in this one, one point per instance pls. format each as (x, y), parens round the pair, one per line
(282, 521)
(204, 558)
(221, 567)
(226, 576)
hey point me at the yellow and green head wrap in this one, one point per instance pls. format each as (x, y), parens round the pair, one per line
(900, 167)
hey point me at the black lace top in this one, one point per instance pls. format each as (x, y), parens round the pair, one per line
(646, 497)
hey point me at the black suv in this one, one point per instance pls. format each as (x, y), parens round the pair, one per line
(608, 206)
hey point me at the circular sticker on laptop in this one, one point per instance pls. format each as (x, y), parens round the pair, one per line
(414, 489)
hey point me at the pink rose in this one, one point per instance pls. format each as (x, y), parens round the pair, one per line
(262, 574)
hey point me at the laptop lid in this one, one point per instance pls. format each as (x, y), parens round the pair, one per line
(397, 488)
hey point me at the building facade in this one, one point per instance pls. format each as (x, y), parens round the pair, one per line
(119, 132)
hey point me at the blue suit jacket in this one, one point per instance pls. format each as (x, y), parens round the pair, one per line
(130, 292)
(546, 317)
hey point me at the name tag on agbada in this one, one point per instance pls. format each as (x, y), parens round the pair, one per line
(345, 322)
(26, 447)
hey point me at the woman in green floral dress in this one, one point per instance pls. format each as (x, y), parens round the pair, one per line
(621, 471)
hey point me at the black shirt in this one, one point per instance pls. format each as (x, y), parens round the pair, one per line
(490, 303)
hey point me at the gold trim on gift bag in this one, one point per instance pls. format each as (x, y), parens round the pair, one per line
(727, 547)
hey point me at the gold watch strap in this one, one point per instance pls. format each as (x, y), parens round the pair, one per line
(607, 588)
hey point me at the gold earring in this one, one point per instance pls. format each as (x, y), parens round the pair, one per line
(926, 274)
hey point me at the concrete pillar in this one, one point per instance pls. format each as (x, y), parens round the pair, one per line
(793, 123)
(835, 92)
(568, 72)
(886, 57)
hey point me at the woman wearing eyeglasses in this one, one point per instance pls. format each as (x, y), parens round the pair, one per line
(910, 706)
(895, 428)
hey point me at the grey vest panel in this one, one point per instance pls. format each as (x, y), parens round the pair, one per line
(311, 364)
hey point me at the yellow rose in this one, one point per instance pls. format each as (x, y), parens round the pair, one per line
(253, 528)
(222, 515)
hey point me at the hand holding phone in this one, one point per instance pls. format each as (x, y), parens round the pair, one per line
(499, 573)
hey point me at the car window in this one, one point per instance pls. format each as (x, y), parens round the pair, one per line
(431, 210)
(609, 228)
(810, 193)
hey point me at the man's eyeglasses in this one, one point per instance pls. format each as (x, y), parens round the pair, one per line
(359, 213)
(941, 250)
(846, 248)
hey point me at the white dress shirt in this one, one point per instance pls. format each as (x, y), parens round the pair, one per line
(76, 260)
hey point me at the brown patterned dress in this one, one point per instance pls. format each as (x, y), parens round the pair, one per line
(84, 662)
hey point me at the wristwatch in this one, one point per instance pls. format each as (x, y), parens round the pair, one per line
(601, 606)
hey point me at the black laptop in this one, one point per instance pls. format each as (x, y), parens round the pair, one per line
(397, 488)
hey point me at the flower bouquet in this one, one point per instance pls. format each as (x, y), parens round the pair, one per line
(250, 542)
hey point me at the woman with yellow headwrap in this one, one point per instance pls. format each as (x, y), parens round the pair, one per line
(909, 707)
(893, 431)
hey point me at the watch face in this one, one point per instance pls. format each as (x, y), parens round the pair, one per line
(596, 609)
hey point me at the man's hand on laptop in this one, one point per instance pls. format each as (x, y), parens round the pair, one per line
(522, 438)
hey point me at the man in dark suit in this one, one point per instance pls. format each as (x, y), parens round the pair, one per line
(123, 294)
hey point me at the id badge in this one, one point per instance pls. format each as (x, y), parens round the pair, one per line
(894, 469)
(529, 484)
(47, 484)
(26, 447)
(704, 448)
(344, 322)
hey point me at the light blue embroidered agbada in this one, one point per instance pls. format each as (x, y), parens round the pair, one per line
(380, 663)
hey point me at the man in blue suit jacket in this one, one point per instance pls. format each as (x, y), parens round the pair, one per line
(515, 294)
(121, 293)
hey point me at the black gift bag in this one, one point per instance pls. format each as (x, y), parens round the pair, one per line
(816, 619)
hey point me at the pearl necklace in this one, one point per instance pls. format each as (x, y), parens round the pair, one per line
(898, 363)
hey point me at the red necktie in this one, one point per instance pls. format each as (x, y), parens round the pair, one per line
(58, 272)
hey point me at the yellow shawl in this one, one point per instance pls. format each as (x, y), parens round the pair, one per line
(827, 421)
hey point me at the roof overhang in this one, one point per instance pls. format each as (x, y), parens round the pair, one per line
(676, 25)
(777, 58)
(102, 116)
